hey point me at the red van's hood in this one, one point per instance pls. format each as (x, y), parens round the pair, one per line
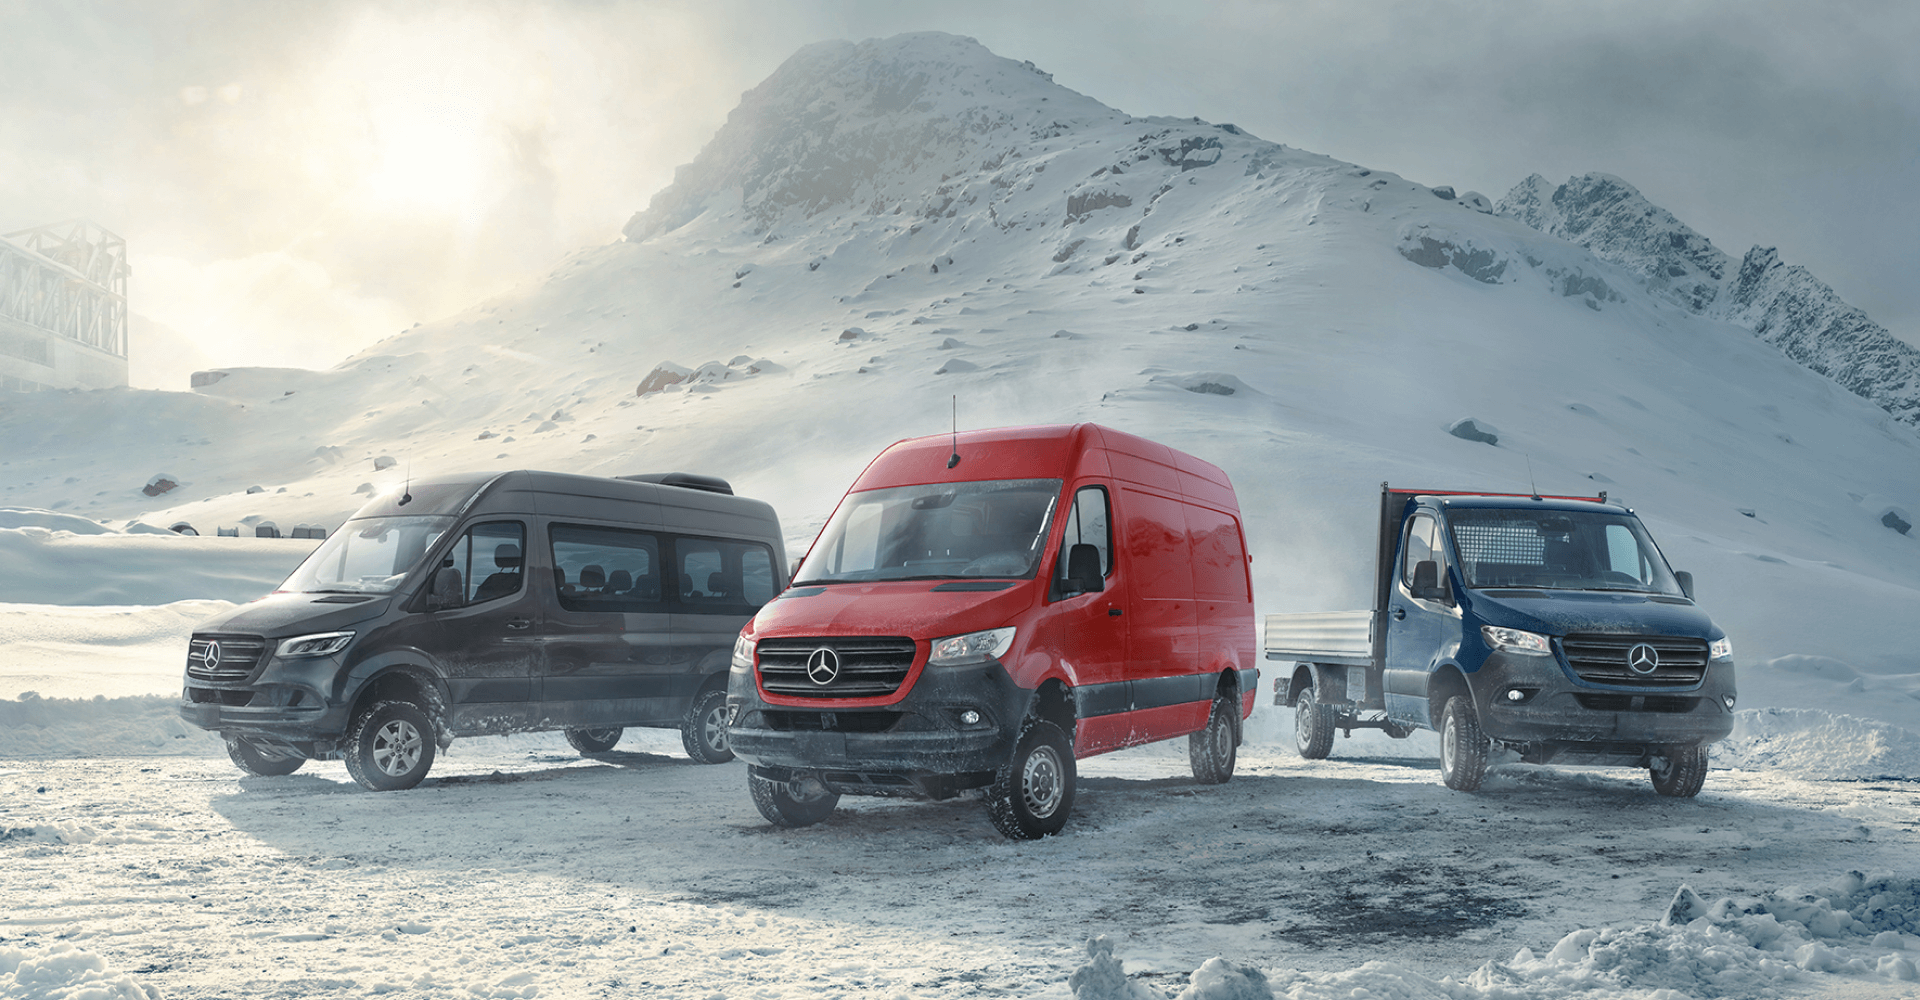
(910, 608)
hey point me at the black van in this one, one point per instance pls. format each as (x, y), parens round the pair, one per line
(495, 603)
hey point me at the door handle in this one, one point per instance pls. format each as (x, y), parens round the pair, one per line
(1113, 612)
(518, 623)
(1399, 614)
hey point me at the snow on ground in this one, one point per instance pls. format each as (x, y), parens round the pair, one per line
(521, 869)
(1274, 311)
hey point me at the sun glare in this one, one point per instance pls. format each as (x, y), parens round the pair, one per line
(435, 96)
(431, 150)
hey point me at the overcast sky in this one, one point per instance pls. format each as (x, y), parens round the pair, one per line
(298, 179)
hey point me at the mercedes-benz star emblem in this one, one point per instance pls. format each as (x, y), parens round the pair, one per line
(1643, 659)
(211, 658)
(823, 666)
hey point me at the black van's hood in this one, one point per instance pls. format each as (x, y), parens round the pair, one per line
(278, 616)
(1558, 612)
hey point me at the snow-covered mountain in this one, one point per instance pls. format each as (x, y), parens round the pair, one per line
(1784, 305)
(884, 228)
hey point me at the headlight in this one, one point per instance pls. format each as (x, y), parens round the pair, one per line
(974, 647)
(742, 654)
(319, 644)
(1720, 649)
(1515, 639)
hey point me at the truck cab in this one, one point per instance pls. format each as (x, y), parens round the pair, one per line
(1551, 626)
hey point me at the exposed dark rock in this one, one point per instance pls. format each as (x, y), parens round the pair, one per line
(1480, 265)
(665, 375)
(1468, 429)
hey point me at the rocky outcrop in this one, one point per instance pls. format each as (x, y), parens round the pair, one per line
(1788, 307)
(1784, 305)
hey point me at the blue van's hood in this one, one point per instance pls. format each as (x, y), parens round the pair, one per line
(1558, 612)
(277, 616)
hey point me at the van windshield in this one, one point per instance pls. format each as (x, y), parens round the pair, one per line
(995, 528)
(369, 555)
(1558, 550)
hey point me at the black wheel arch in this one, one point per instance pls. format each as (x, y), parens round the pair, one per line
(1446, 682)
(1053, 702)
(407, 682)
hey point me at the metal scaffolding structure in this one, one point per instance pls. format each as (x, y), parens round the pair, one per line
(63, 285)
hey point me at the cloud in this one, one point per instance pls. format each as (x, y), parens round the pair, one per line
(264, 309)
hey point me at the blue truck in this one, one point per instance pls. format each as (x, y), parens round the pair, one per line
(1550, 626)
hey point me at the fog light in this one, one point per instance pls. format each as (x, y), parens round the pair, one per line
(1729, 700)
(1515, 694)
(972, 718)
(733, 714)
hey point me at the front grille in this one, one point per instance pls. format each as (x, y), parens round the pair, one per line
(831, 722)
(238, 656)
(1600, 658)
(869, 667)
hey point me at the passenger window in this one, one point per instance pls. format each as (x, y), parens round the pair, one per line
(1624, 556)
(722, 576)
(1420, 546)
(1087, 524)
(491, 558)
(606, 569)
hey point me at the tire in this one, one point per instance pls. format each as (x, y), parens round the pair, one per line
(255, 759)
(1680, 772)
(390, 746)
(1212, 750)
(594, 740)
(786, 804)
(1312, 726)
(1032, 794)
(1463, 746)
(704, 731)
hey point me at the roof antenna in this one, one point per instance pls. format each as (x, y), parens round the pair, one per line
(954, 459)
(406, 487)
(1530, 483)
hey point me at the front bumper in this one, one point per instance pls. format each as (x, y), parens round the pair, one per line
(297, 724)
(1559, 714)
(916, 746)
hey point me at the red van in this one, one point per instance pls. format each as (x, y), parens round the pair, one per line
(984, 608)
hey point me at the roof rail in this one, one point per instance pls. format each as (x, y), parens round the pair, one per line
(684, 480)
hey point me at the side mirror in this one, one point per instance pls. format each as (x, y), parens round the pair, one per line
(1685, 580)
(1426, 581)
(446, 589)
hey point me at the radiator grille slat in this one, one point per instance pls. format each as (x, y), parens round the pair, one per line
(869, 667)
(1601, 658)
(238, 657)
